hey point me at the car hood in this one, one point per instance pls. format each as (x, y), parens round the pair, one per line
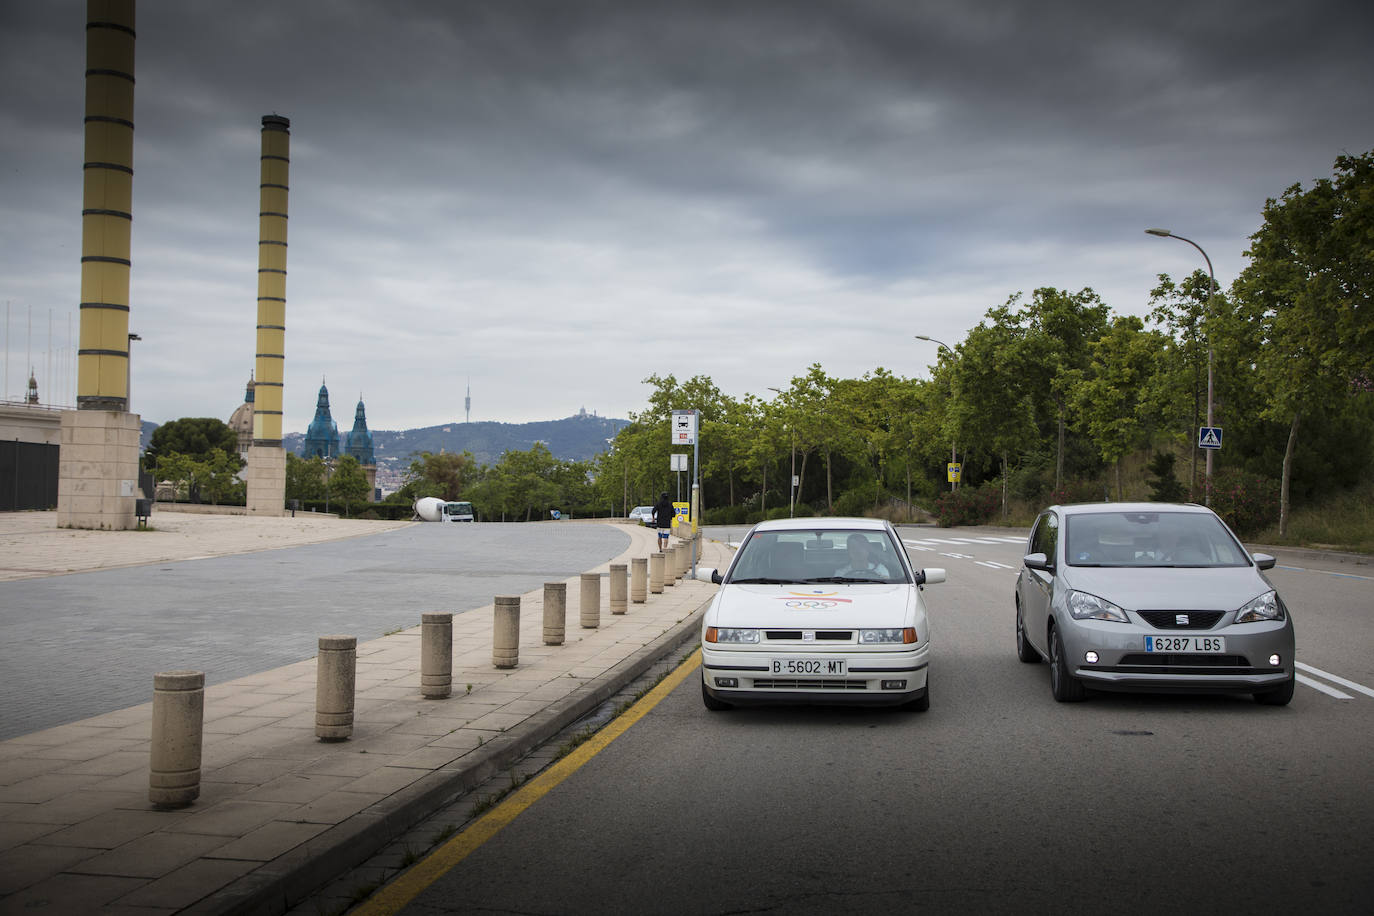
(813, 606)
(1218, 589)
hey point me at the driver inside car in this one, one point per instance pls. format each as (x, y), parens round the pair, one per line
(861, 561)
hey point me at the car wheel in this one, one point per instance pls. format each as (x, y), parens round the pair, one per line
(921, 704)
(1065, 687)
(1024, 650)
(1278, 696)
(711, 702)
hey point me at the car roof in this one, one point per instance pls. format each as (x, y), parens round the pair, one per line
(1094, 508)
(814, 522)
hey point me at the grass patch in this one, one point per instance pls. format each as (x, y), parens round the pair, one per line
(1344, 521)
(487, 802)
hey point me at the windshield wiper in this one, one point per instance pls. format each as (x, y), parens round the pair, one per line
(762, 580)
(864, 579)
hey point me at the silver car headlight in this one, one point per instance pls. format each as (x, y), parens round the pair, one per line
(1084, 606)
(1265, 607)
(731, 635)
(905, 635)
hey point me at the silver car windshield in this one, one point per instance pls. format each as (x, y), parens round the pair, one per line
(1163, 539)
(817, 555)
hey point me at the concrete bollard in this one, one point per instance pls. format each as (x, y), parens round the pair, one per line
(336, 674)
(178, 722)
(670, 566)
(505, 635)
(639, 579)
(590, 605)
(656, 563)
(555, 612)
(684, 559)
(436, 655)
(619, 588)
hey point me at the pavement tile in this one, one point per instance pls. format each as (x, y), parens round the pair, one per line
(351, 763)
(70, 894)
(268, 841)
(14, 833)
(18, 769)
(236, 724)
(44, 787)
(85, 749)
(113, 764)
(390, 744)
(385, 781)
(432, 758)
(150, 856)
(433, 726)
(189, 883)
(25, 866)
(231, 818)
(335, 807)
(464, 740)
(498, 721)
(295, 788)
(253, 770)
(112, 828)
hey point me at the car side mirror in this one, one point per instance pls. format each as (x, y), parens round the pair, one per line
(1036, 561)
(930, 575)
(716, 577)
(1263, 560)
(707, 574)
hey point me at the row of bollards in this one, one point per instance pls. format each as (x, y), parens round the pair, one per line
(179, 696)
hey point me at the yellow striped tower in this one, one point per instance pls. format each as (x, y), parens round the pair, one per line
(98, 464)
(267, 459)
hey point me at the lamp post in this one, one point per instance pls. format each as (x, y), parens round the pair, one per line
(1211, 296)
(953, 459)
(792, 486)
(128, 374)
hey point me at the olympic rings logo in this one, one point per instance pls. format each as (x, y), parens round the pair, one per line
(812, 604)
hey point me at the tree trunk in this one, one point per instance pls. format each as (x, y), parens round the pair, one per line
(763, 494)
(908, 488)
(801, 478)
(1059, 458)
(829, 502)
(1004, 486)
(1287, 475)
(1119, 493)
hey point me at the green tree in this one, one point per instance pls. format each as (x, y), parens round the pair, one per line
(445, 474)
(216, 475)
(1311, 271)
(304, 477)
(193, 436)
(348, 483)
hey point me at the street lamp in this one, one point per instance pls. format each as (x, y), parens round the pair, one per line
(1211, 295)
(792, 489)
(952, 453)
(128, 374)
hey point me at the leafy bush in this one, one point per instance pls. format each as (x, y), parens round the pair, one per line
(854, 502)
(1164, 484)
(1248, 502)
(968, 506)
(1076, 491)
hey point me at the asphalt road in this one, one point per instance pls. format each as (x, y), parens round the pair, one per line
(996, 800)
(79, 645)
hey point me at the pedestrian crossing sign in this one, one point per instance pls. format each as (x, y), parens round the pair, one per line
(1209, 437)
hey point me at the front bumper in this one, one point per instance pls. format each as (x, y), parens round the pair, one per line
(862, 685)
(1124, 665)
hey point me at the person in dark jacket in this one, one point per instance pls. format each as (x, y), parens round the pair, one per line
(663, 519)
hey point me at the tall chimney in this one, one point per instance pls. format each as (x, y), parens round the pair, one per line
(267, 459)
(97, 471)
(107, 207)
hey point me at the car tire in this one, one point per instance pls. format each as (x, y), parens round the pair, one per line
(711, 702)
(921, 703)
(1024, 650)
(1277, 696)
(1065, 687)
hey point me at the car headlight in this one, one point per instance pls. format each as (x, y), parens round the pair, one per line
(1265, 607)
(731, 634)
(904, 635)
(1090, 607)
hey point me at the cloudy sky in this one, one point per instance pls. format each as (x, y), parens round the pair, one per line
(554, 199)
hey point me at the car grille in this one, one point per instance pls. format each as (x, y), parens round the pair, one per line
(821, 635)
(798, 683)
(1155, 663)
(1168, 620)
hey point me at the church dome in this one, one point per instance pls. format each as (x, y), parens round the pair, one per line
(241, 420)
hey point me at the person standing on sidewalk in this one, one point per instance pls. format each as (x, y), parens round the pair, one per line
(663, 519)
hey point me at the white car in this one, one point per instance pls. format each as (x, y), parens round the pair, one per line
(643, 514)
(818, 610)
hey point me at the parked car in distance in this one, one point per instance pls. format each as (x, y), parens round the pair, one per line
(1152, 597)
(643, 514)
(818, 610)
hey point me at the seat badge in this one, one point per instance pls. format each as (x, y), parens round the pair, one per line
(1181, 619)
(808, 636)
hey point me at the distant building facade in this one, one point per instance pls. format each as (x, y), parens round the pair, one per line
(322, 436)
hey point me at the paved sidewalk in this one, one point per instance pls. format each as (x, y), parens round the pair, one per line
(281, 812)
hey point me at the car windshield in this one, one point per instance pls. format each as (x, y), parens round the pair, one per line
(1162, 539)
(837, 555)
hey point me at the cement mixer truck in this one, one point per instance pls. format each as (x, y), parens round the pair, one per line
(433, 509)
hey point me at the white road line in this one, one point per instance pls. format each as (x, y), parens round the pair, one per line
(957, 556)
(918, 547)
(1010, 540)
(1336, 679)
(1327, 572)
(992, 565)
(987, 540)
(944, 541)
(1331, 691)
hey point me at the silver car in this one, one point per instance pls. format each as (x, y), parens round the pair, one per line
(1150, 596)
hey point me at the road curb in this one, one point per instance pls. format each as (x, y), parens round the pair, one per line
(284, 882)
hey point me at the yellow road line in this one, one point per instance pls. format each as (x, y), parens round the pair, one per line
(391, 898)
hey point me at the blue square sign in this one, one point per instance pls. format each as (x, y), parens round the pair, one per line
(1209, 437)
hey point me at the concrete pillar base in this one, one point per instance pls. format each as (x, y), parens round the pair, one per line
(639, 579)
(336, 676)
(97, 470)
(178, 725)
(436, 655)
(589, 607)
(555, 612)
(266, 479)
(505, 634)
